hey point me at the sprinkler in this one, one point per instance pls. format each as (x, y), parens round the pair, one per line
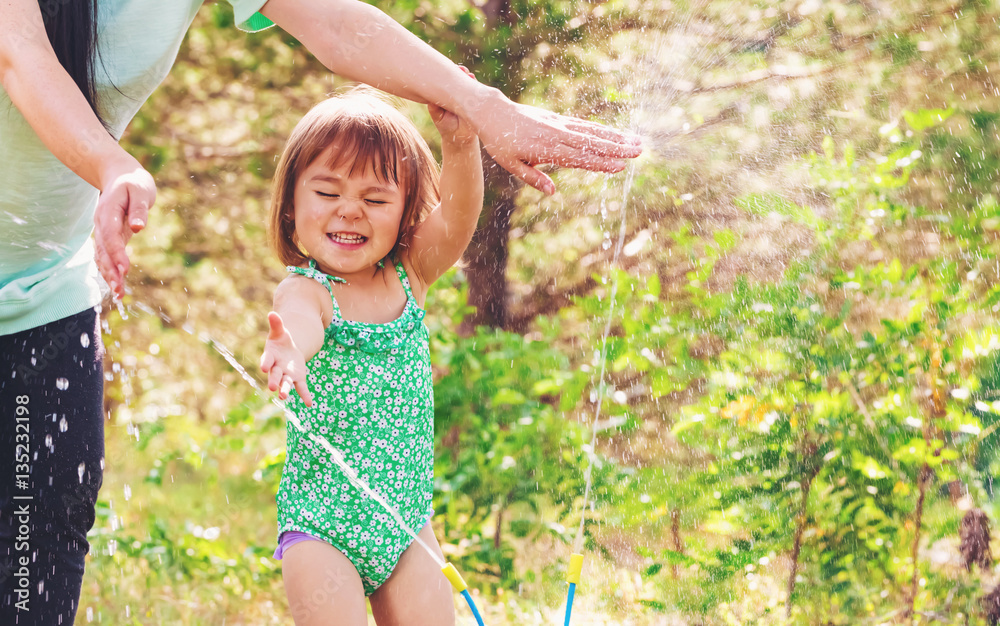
(572, 578)
(458, 583)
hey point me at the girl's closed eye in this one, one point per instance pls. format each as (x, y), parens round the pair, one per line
(327, 195)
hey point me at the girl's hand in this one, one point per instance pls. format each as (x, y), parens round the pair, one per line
(451, 127)
(283, 362)
(127, 193)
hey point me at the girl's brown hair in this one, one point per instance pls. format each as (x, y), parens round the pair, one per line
(367, 132)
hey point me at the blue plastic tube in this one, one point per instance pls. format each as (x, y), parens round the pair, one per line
(472, 605)
(569, 601)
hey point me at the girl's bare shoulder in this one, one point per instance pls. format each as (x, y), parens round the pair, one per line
(301, 294)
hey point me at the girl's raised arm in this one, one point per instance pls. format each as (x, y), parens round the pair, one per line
(443, 236)
(360, 42)
(52, 104)
(295, 335)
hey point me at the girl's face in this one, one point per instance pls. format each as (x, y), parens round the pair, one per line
(348, 223)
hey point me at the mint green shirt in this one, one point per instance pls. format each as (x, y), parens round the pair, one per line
(47, 268)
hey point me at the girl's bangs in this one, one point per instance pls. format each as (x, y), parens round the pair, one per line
(363, 148)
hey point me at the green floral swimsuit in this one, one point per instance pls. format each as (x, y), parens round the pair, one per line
(374, 402)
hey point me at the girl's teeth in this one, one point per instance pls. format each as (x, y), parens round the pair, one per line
(348, 238)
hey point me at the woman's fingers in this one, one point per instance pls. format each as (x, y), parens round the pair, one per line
(573, 156)
(631, 145)
(123, 209)
(110, 240)
(528, 174)
(105, 266)
(594, 146)
(565, 155)
(138, 212)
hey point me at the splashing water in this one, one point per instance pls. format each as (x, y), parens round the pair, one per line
(598, 401)
(644, 92)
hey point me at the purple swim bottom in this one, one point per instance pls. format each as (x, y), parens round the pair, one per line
(288, 539)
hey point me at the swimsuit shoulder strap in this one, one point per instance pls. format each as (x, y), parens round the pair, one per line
(315, 274)
(404, 279)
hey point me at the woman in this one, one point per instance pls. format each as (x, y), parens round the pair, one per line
(63, 176)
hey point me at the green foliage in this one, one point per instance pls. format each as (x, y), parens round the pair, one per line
(801, 341)
(509, 457)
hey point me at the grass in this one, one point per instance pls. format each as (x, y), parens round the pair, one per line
(185, 533)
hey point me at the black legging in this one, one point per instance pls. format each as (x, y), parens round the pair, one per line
(51, 466)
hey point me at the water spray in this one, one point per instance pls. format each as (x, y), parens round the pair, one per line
(576, 560)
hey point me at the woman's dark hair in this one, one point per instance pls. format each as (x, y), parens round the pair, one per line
(71, 26)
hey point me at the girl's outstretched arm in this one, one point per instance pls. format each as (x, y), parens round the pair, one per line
(294, 336)
(52, 104)
(443, 236)
(362, 43)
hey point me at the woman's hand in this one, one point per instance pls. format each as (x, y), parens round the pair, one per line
(283, 362)
(520, 137)
(127, 193)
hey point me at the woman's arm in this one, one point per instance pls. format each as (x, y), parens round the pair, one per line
(59, 114)
(443, 236)
(361, 43)
(295, 335)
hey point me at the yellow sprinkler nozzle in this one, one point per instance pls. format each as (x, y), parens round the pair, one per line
(575, 567)
(454, 578)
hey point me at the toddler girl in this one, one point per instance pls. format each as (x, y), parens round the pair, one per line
(366, 224)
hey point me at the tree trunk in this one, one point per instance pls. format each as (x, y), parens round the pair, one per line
(675, 532)
(499, 529)
(800, 525)
(935, 407)
(925, 477)
(486, 258)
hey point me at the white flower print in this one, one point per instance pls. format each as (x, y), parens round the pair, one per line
(391, 450)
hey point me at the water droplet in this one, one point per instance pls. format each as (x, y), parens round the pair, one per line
(48, 441)
(62, 384)
(80, 470)
(63, 424)
(90, 613)
(128, 492)
(85, 340)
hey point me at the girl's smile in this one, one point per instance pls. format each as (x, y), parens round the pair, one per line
(347, 221)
